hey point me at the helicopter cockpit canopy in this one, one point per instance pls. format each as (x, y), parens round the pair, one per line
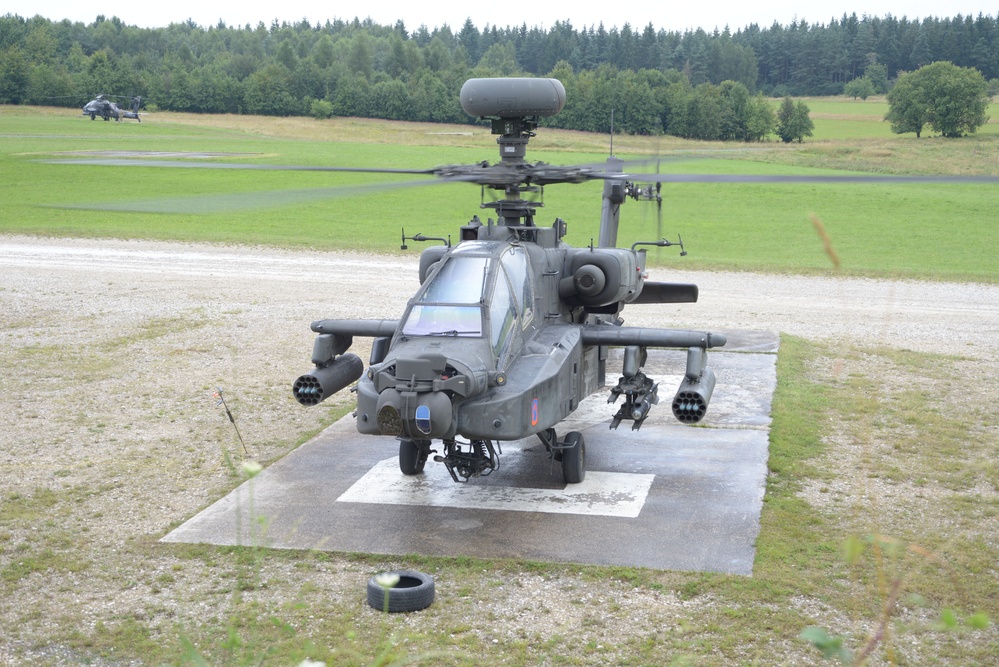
(451, 302)
(472, 294)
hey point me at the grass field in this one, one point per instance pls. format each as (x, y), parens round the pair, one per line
(846, 118)
(941, 231)
(894, 539)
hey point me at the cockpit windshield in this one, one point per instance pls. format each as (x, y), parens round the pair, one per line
(431, 320)
(460, 280)
(451, 303)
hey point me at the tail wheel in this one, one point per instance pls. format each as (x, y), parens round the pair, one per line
(573, 458)
(413, 456)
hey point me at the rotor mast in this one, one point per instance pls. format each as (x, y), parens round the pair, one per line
(514, 134)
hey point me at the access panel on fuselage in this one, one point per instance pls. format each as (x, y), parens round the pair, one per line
(541, 390)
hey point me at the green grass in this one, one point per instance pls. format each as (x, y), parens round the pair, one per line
(932, 231)
(843, 118)
(871, 109)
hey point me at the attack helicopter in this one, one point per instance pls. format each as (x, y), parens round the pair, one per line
(103, 107)
(511, 326)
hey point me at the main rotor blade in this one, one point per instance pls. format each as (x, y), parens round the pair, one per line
(789, 178)
(233, 202)
(183, 164)
(542, 174)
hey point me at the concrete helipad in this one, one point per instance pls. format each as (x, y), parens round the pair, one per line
(667, 496)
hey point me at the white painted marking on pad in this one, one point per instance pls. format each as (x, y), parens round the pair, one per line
(600, 494)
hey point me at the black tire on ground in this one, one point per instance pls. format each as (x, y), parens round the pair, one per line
(414, 591)
(574, 458)
(413, 456)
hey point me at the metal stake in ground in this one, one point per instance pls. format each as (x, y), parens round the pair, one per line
(228, 412)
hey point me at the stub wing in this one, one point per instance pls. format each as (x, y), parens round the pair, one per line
(690, 403)
(603, 334)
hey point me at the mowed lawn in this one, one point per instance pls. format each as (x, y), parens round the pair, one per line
(847, 118)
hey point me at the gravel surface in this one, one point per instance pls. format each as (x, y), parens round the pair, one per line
(111, 352)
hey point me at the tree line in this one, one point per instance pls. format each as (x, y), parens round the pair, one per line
(692, 84)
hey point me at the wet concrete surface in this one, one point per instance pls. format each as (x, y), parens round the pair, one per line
(667, 496)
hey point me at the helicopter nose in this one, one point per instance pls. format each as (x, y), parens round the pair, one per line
(416, 395)
(424, 415)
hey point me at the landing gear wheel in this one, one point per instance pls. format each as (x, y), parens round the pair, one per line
(413, 456)
(413, 591)
(574, 458)
(93, 116)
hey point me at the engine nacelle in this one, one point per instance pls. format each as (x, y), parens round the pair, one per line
(600, 277)
(429, 259)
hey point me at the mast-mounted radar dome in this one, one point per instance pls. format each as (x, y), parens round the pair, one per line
(512, 97)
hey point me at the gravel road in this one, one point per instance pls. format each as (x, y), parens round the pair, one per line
(37, 275)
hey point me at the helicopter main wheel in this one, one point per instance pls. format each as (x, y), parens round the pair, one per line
(574, 458)
(413, 456)
(93, 116)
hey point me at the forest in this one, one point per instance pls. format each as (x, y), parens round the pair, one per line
(694, 84)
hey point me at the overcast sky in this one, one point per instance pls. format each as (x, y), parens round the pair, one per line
(675, 16)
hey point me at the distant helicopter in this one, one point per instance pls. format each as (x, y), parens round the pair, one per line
(511, 327)
(103, 107)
